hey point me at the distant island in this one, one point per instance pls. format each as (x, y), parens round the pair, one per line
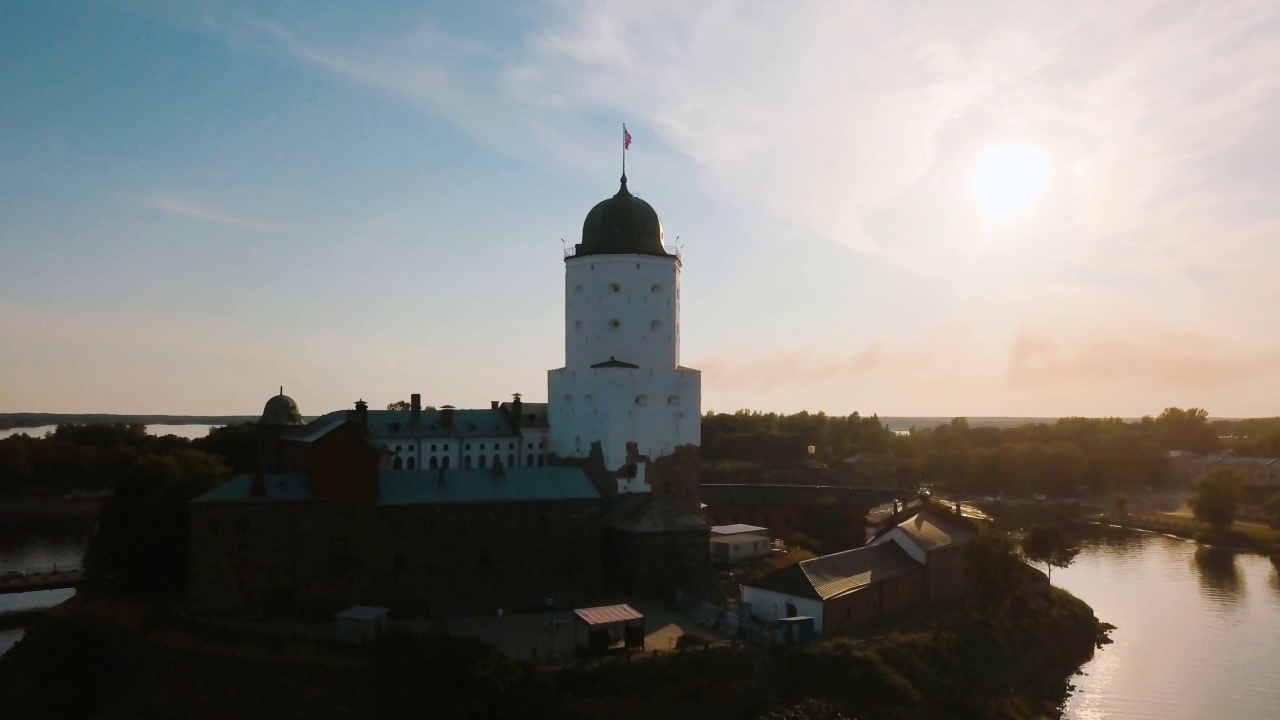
(10, 421)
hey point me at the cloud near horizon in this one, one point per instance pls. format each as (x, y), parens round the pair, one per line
(183, 208)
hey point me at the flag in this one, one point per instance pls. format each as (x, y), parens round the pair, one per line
(626, 138)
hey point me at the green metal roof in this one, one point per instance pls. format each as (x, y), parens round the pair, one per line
(476, 485)
(277, 488)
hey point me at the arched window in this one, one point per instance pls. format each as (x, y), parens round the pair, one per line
(411, 464)
(480, 461)
(444, 462)
(511, 460)
(656, 325)
(497, 460)
(528, 461)
(673, 400)
(614, 287)
(397, 464)
(641, 400)
(434, 463)
(466, 461)
(614, 324)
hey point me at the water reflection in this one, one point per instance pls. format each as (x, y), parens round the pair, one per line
(1218, 573)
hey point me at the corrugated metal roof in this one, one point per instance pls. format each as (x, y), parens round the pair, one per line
(476, 485)
(278, 488)
(737, 529)
(825, 577)
(836, 574)
(932, 530)
(608, 615)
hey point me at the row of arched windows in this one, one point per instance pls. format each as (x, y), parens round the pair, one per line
(480, 461)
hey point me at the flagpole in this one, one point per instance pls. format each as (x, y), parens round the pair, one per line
(624, 150)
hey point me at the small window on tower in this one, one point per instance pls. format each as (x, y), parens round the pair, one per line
(641, 400)
(568, 399)
(673, 400)
(655, 289)
(577, 290)
(614, 287)
(577, 325)
(656, 325)
(615, 324)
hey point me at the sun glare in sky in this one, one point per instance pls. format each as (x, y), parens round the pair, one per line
(1008, 180)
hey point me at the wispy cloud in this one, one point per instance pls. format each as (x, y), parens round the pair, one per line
(192, 210)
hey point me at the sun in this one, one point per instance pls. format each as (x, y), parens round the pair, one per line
(1009, 179)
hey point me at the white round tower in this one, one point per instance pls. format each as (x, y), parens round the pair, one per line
(622, 382)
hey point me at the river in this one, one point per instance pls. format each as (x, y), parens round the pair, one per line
(1197, 630)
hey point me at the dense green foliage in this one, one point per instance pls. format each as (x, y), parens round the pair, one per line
(96, 457)
(995, 570)
(142, 544)
(1055, 459)
(968, 665)
(1217, 498)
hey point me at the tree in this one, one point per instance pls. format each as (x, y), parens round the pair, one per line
(1046, 545)
(1122, 503)
(1217, 498)
(399, 405)
(993, 567)
(807, 709)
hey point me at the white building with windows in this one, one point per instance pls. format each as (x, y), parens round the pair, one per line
(622, 382)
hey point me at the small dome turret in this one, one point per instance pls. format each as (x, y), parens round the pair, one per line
(280, 410)
(622, 225)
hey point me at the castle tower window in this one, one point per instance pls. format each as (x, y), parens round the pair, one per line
(466, 461)
(614, 287)
(511, 460)
(577, 325)
(614, 324)
(656, 325)
(480, 461)
(655, 289)
(542, 460)
(397, 464)
(673, 400)
(434, 463)
(641, 401)
(444, 462)
(577, 289)
(481, 446)
(528, 461)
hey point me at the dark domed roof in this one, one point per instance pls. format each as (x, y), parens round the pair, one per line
(280, 410)
(622, 225)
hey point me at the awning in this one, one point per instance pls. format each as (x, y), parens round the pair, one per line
(608, 615)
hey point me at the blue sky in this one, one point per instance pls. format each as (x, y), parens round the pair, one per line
(202, 201)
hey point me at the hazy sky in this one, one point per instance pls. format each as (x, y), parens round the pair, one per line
(202, 201)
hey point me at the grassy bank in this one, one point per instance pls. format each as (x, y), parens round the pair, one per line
(1014, 663)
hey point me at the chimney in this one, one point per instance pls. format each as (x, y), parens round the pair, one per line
(361, 417)
(517, 410)
(415, 409)
(957, 508)
(493, 404)
(446, 416)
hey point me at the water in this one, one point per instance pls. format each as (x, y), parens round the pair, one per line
(32, 547)
(187, 431)
(1197, 630)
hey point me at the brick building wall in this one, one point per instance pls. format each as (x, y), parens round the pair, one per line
(318, 557)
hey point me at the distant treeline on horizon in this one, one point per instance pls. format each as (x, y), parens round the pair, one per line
(9, 421)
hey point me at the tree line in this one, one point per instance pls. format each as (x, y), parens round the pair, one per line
(1056, 459)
